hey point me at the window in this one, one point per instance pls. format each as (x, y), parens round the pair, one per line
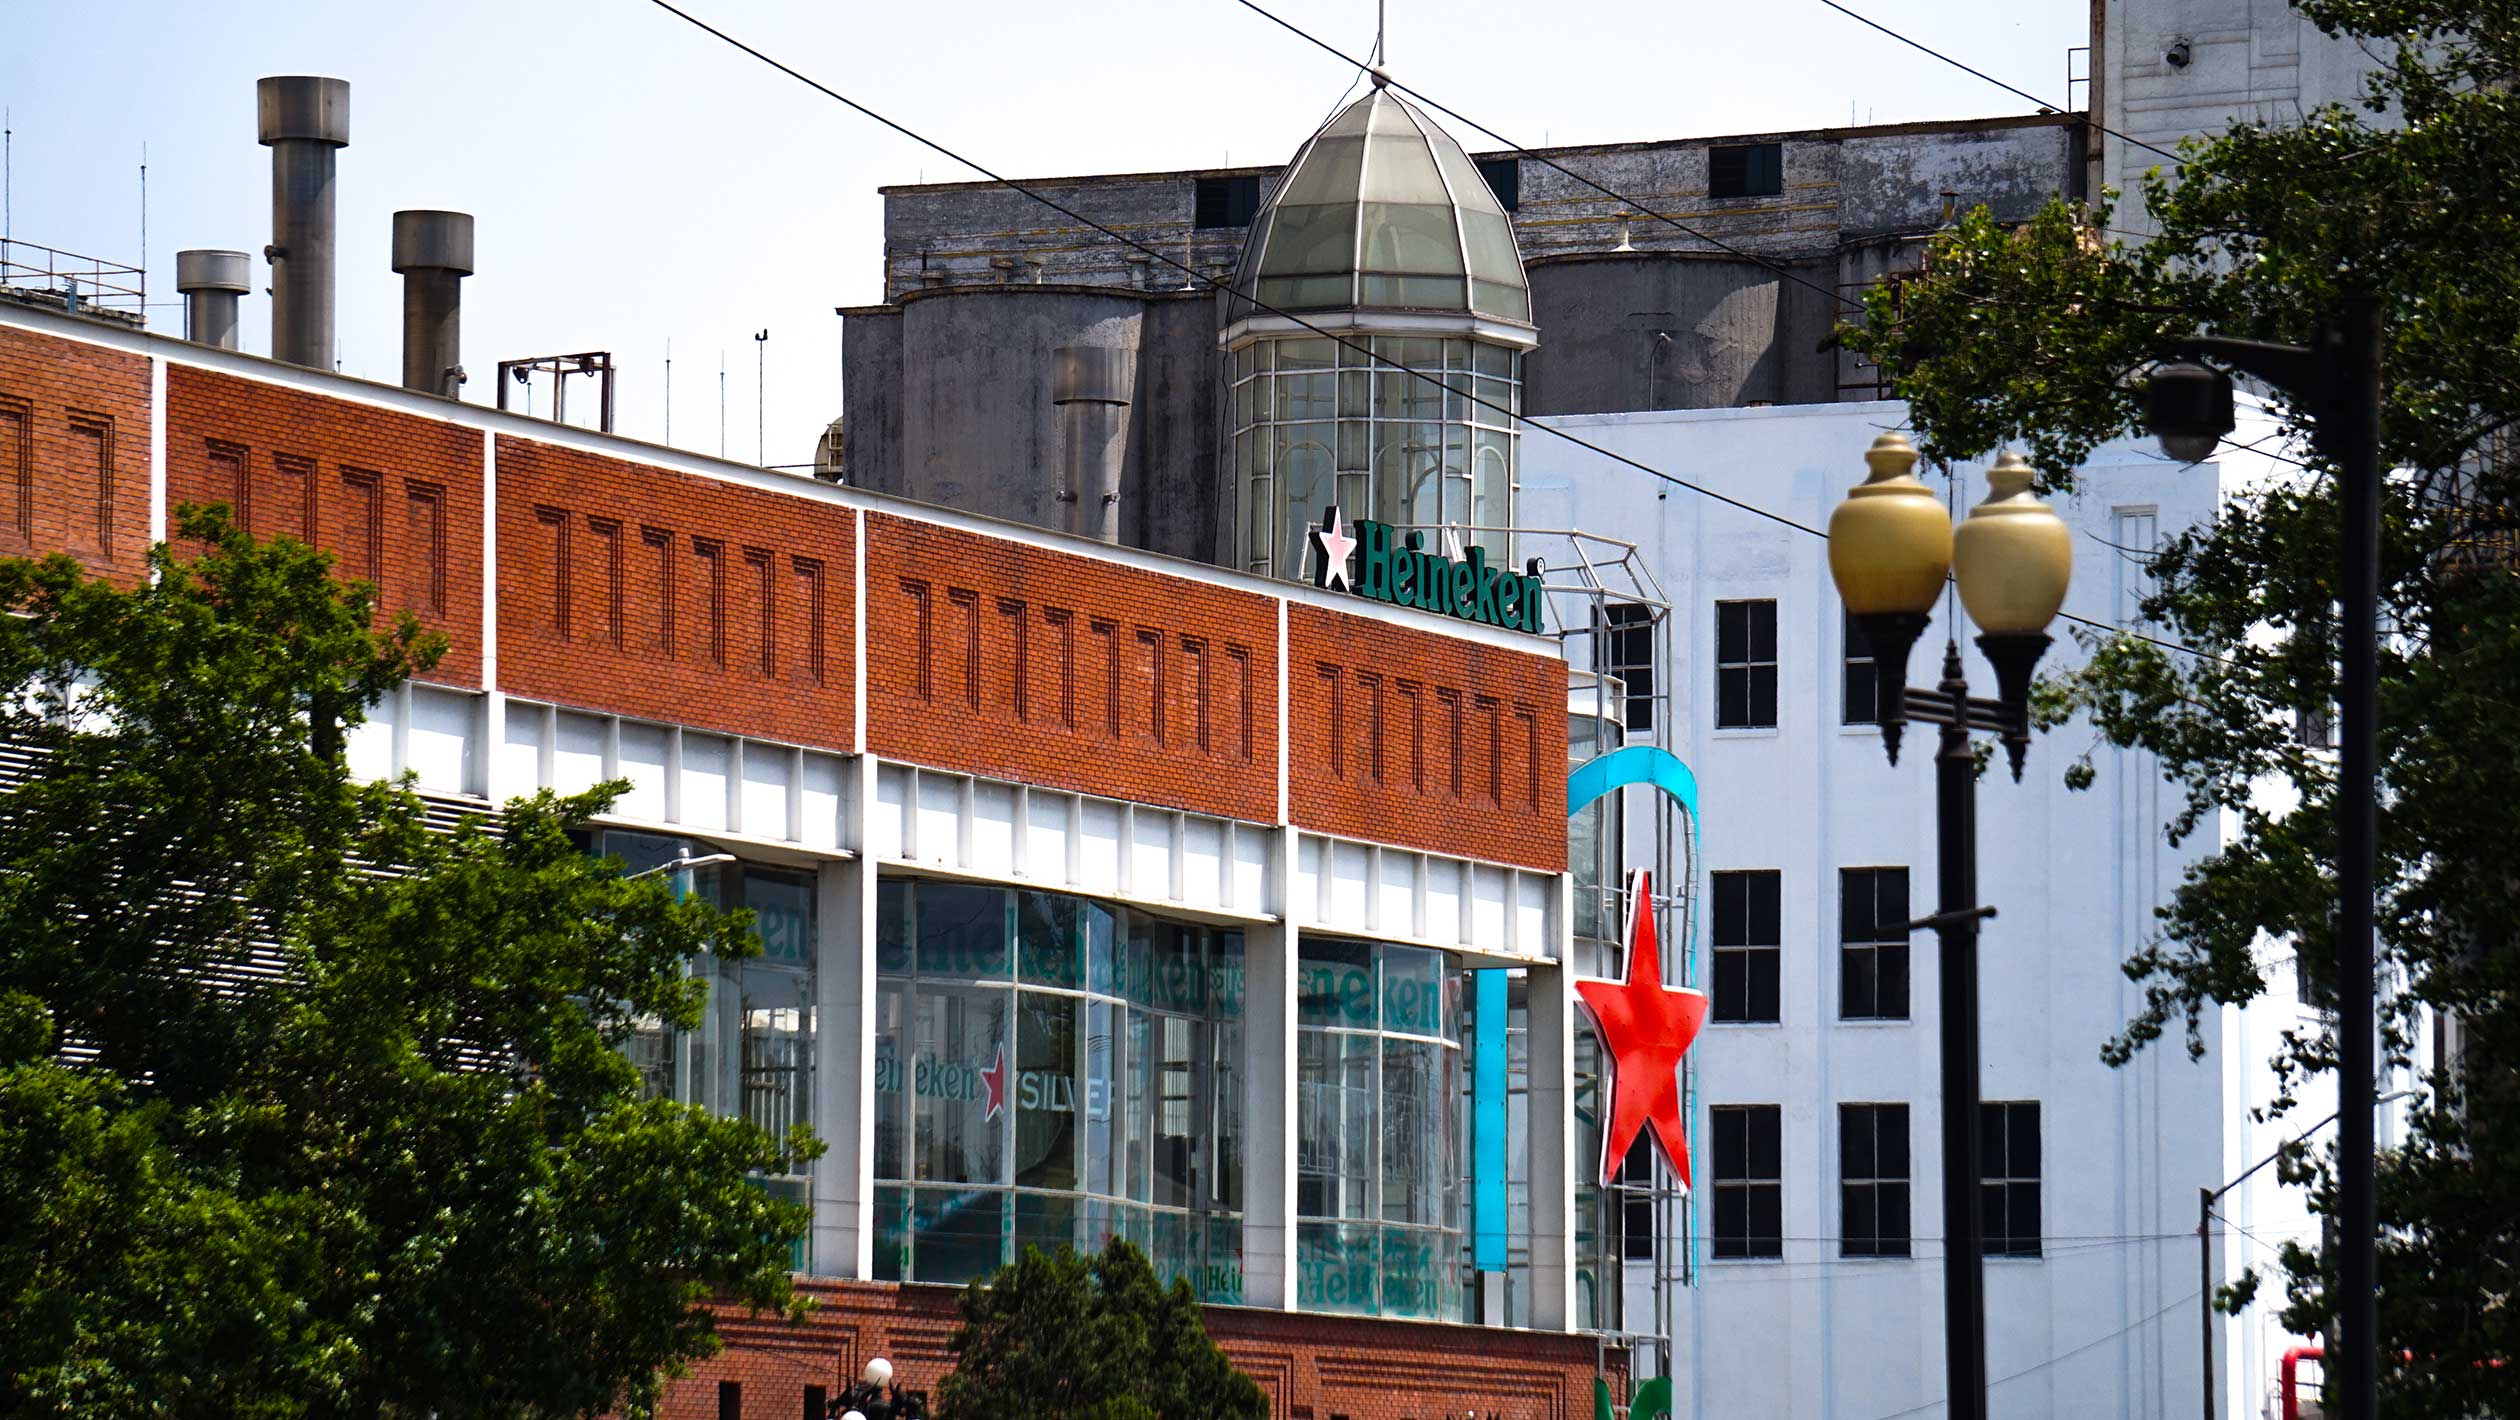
(2315, 729)
(1872, 944)
(1748, 932)
(1745, 665)
(1625, 639)
(1226, 202)
(1749, 1181)
(1872, 1180)
(1504, 178)
(2008, 1164)
(1745, 170)
(1861, 677)
(1636, 1202)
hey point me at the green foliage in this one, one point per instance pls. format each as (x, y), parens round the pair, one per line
(1069, 1337)
(2030, 335)
(306, 1110)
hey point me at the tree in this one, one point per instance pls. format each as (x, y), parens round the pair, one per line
(1064, 1336)
(2029, 334)
(306, 1109)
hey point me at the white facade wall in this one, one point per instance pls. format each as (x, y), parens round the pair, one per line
(2106, 1322)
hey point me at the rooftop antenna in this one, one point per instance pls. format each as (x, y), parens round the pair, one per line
(761, 398)
(721, 401)
(669, 391)
(144, 234)
(1380, 59)
(8, 177)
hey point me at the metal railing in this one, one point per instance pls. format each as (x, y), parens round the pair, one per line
(80, 280)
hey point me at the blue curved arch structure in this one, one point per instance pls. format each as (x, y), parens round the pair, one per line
(1593, 780)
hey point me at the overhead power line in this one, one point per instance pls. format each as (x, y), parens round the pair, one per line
(1366, 351)
(1553, 164)
(1924, 48)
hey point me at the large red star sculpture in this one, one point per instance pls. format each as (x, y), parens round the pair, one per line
(1645, 1027)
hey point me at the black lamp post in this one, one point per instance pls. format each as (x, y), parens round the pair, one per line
(2336, 381)
(1891, 550)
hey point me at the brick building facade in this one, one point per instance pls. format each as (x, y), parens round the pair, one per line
(921, 734)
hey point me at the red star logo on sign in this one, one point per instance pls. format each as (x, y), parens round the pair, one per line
(1645, 1027)
(994, 1078)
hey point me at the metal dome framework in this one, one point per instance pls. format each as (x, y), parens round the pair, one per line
(1382, 211)
(1383, 233)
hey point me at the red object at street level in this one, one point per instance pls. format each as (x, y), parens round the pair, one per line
(1645, 1028)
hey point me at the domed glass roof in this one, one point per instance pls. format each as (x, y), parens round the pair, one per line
(1382, 210)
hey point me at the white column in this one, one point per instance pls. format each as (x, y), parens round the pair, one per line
(844, 1046)
(1269, 956)
(1550, 998)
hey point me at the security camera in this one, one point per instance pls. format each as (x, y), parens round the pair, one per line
(2180, 54)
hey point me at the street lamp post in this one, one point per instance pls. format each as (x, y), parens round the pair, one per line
(1891, 550)
(2336, 381)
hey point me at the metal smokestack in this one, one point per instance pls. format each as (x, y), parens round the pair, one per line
(211, 282)
(302, 121)
(434, 253)
(1091, 385)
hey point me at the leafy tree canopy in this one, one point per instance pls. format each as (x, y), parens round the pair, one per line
(1067, 1336)
(305, 1109)
(2029, 334)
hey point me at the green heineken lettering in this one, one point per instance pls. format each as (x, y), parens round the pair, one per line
(1374, 561)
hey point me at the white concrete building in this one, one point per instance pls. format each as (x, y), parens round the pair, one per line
(1835, 1309)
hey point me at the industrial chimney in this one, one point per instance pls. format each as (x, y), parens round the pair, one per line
(302, 120)
(211, 281)
(434, 252)
(1091, 385)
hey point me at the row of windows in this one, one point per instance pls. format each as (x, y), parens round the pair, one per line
(1874, 1179)
(1732, 170)
(1748, 937)
(1745, 665)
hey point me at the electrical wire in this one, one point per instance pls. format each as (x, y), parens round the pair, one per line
(1998, 83)
(2091, 1345)
(1334, 337)
(1545, 160)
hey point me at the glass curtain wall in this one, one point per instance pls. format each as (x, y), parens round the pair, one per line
(1317, 423)
(1049, 1071)
(754, 1051)
(1379, 1167)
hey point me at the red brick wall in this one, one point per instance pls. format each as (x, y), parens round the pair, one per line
(395, 497)
(1311, 1367)
(74, 453)
(998, 658)
(668, 596)
(1399, 736)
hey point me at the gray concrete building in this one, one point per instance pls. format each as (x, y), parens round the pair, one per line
(947, 391)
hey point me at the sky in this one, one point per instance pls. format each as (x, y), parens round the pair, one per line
(638, 186)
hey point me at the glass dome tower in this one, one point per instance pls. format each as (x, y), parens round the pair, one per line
(1383, 232)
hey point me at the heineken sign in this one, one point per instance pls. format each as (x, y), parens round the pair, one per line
(1377, 562)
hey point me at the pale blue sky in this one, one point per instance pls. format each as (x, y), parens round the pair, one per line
(635, 180)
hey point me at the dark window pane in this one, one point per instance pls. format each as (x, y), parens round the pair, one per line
(1855, 908)
(2022, 1205)
(1732, 632)
(1855, 1145)
(1732, 699)
(1763, 1004)
(1762, 631)
(1732, 1221)
(1765, 1155)
(1891, 912)
(1890, 1141)
(1991, 1143)
(1732, 909)
(1767, 1220)
(1857, 1224)
(1894, 1219)
(1863, 699)
(1763, 696)
(1766, 911)
(1504, 178)
(1731, 1147)
(2023, 1155)
(1226, 201)
(1893, 1005)
(1857, 999)
(1732, 987)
